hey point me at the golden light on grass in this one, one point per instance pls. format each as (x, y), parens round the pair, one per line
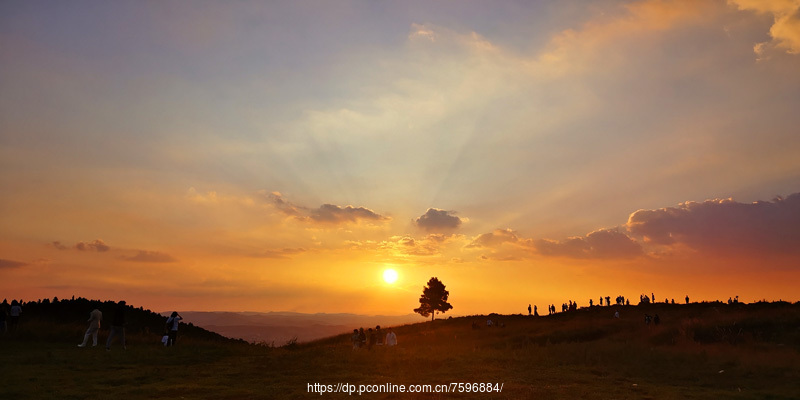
(390, 276)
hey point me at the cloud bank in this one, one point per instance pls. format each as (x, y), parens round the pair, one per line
(724, 226)
(716, 228)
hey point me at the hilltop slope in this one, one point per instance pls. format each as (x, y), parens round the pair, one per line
(698, 351)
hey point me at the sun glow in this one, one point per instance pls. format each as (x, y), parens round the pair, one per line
(390, 276)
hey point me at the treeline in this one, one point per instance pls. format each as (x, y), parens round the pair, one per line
(75, 312)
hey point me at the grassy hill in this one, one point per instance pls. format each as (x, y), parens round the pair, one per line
(698, 351)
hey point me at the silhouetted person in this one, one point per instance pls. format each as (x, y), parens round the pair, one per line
(656, 320)
(172, 323)
(362, 337)
(601, 301)
(590, 302)
(355, 339)
(687, 299)
(647, 319)
(94, 326)
(378, 335)
(535, 311)
(117, 326)
(3, 317)
(608, 300)
(673, 301)
(14, 314)
(529, 310)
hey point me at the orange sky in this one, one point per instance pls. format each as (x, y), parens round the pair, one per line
(279, 157)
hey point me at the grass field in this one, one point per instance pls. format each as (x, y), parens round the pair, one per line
(699, 351)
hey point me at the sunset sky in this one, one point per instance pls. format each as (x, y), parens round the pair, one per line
(279, 156)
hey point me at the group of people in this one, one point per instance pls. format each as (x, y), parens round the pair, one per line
(10, 316)
(655, 319)
(620, 301)
(370, 338)
(117, 327)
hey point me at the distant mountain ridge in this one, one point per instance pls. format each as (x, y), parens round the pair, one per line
(280, 327)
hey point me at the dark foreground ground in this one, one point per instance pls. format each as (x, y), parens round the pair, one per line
(699, 351)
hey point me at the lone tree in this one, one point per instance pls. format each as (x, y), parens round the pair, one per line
(433, 299)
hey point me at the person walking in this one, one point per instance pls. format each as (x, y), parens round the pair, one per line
(94, 327)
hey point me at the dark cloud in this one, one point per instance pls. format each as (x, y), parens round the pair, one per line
(150, 257)
(58, 245)
(333, 214)
(724, 226)
(325, 214)
(8, 264)
(97, 245)
(280, 253)
(435, 220)
(601, 244)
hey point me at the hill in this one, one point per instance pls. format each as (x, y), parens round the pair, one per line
(65, 320)
(698, 351)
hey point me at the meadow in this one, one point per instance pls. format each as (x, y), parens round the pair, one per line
(698, 351)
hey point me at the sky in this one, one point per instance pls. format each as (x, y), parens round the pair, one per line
(279, 156)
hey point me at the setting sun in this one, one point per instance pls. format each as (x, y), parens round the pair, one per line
(390, 276)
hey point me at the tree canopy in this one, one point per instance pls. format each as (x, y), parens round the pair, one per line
(433, 299)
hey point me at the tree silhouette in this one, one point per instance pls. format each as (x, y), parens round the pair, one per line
(433, 299)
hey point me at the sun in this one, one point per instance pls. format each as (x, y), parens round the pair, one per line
(389, 275)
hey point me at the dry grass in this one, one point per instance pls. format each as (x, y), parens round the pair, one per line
(698, 352)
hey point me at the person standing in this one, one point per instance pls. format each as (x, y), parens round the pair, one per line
(391, 338)
(172, 324)
(14, 315)
(3, 317)
(94, 326)
(117, 326)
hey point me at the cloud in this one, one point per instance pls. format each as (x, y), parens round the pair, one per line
(600, 244)
(724, 226)
(435, 220)
(497, 238)
(150, 257)
(277, 200)
(503, 245)
(58, 245)
(327, 214)
(280, 253)
(785, 30)
(9, 264)
(333, 214)
(579, 49)
(402, 246)
(97, 245)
